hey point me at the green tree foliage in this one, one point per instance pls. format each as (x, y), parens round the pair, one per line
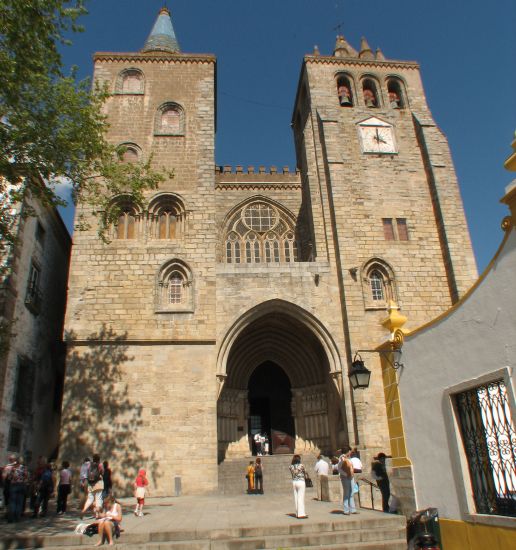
(51, 126)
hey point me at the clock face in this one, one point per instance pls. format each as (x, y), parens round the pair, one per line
(377, 138)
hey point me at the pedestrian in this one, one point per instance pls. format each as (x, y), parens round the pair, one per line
(83, 481)
(64, 487)
(298, 473)
(266, 445)
(140, 487)
(258, 443)
(258, 476)
(45, 489)
(6, 482)
(16, 476)
(357, 468)
(106, 477)
(345, 467)
(95, 485)
(108, 524)
(334, 465)
(250, 478)
(379, 474)
(322, 468)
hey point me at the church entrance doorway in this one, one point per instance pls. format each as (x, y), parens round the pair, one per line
(277, 381)
(270, 414)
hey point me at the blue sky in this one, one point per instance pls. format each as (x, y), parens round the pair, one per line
(466, 49)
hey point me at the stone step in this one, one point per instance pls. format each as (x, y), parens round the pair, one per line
(379, 532)
(276, 475)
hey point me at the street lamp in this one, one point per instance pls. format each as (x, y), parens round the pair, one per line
(359, 375)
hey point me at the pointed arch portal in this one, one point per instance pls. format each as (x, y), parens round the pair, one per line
(279, 373)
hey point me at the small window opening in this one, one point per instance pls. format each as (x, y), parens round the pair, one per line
(344, 92)
(395, 94)
(388, 229)
(370, 93)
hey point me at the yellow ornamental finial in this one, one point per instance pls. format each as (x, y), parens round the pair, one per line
(394, 323)
(510, 163)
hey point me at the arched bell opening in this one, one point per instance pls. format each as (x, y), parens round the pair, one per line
(278, 381)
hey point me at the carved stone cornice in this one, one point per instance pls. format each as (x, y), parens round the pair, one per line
(352, 61)
(155, 57)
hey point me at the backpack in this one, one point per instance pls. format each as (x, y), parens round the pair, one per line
(94, 473)
(45, 482)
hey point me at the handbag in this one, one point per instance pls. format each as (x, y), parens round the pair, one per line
(308, 481)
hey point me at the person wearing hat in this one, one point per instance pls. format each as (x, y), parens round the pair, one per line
(16, 475)
(379, 474)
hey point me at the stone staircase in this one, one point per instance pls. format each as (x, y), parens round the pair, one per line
(276, 475)
(384, 532)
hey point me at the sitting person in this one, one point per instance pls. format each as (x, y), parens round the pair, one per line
(109, 522)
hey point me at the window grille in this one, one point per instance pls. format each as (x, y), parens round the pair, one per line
(260, 217)
(376, 281)
(33, 295)
(489, 439)
(175, 288)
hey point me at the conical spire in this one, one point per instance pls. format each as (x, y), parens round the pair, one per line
(162, 37)
(379, 55)
(365, 50)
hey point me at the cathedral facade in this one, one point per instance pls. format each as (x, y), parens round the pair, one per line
(234, 300)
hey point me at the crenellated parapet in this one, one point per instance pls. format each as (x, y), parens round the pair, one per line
(255, 178)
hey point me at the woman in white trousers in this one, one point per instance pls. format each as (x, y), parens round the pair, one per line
(297, 470)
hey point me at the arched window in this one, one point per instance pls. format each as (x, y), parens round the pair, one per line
(129, 152)
(258, 232)
(126, 224)
(130, 81)
(370, 93)
(378, 284)
(344, 91)
(174, 289)
(124, 217)
(396, 93)
(166, 217)
(170, 120)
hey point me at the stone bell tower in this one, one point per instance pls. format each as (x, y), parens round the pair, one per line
(147, 297)
(384, 201)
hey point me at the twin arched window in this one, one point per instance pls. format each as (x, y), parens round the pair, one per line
(130, 81)
(164, 218)
(174, 289)
(378, 284)
(260, 232)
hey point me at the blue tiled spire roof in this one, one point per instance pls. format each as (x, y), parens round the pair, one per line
(162, 37)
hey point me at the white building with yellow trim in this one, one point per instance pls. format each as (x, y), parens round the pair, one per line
(451, 408)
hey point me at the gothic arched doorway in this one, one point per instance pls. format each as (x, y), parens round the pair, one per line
(270, 412)
(277, 344)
